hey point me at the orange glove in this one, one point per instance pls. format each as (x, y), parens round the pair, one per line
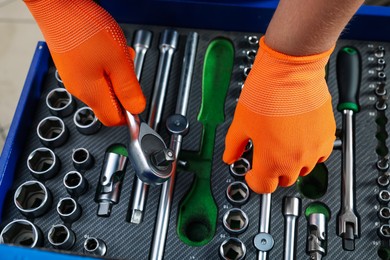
(90, 52)
(285, 109)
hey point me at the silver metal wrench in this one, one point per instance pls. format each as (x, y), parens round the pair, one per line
(177, 125)
(168, 45)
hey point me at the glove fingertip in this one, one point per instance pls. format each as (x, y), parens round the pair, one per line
(260, 185)
(136, 104)
(132, 52)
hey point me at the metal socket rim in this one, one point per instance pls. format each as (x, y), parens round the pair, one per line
(384, 213)
(52, 131)
(251, 54)
(86, 121)
(32, 199)
(21, 232)
(61, 237)
(82, 159)
(43, 163)
(253, 40)
(75, 183)
(235, 221)
(384, 231)
(95, 246)
(384, 196)
(232, 248)
(246, 71)
(240, 167)
(237, 193)
(60, 102)
(57, 76)
(383, 180)
(68, 209)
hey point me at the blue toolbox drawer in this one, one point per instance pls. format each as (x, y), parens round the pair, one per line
(236, 21)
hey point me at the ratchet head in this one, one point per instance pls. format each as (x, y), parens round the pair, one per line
(149, 155)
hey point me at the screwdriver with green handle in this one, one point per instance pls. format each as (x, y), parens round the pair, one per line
(348, 80)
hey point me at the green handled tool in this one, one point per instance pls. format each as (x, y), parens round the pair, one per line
(348, 80)
(198, 211)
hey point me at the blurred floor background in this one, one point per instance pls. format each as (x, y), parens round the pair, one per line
(19, 35)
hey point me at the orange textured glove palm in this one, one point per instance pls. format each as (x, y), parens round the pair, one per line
(285, 109)
(90, 52)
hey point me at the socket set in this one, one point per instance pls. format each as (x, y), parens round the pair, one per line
(74, 189)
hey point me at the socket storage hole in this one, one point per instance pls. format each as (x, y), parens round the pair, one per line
(233, 249)
(72, 179)
(237, 192)
(240, 167)
(80, 155)
(41, 160)
(58, 234)
(58, 98)
(20, 232)
(30, 196)
(50, 128)
(66, 206)
(197, 230)
(235, 220)
(84, 117)
(91, 244)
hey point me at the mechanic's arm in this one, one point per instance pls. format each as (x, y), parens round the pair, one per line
(90, 52)
(285, 107)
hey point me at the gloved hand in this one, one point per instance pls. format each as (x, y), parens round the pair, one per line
(285, 109)
(90, 52)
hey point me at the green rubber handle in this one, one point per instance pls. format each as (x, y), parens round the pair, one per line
(348, 73)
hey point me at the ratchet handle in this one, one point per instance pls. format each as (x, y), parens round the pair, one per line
(348, 78)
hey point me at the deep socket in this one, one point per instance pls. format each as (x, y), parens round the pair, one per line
(382, 76)
(82, 159)
(383, 163)
(253, 40)
(239, 168)
(379, 52)
(43, 163)
(95, 246)
(235, 221)
(60, 102)
(69, 210)
(251, 55)
(21, 232)
(75, 183)
(32, 199)
(380, 89)
(52, 131)
(384, 196)
(384, 213)
(232, 249)
(237, 193)
(246, 71)
(61, 237)
(86, 122)
(383, 180)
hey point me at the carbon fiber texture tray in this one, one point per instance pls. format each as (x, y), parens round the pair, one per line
(130, 241)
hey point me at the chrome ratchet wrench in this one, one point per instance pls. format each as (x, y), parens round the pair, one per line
(291, 213)
(177, 125)
(348, 81)
(165, 157)
(264, 241)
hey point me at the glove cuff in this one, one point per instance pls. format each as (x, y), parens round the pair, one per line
(284, 85)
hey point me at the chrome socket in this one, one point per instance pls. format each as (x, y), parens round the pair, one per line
(253, 40)
(384, 213)
(82, 159)
(235, 221)
(32, 199)
(383, 180)
(21, 232)
(52, 131)
(86, 122)
(239, 168)
(43, 163)
(75, 183)
(246, 71)
(58, 78)
(68, 209)
(251, 55)
(384, 231)
(384, 196)
(248, 146)
(232, 249)
(95, 246)
(237, 193)
(61, 237)
(60, 102)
